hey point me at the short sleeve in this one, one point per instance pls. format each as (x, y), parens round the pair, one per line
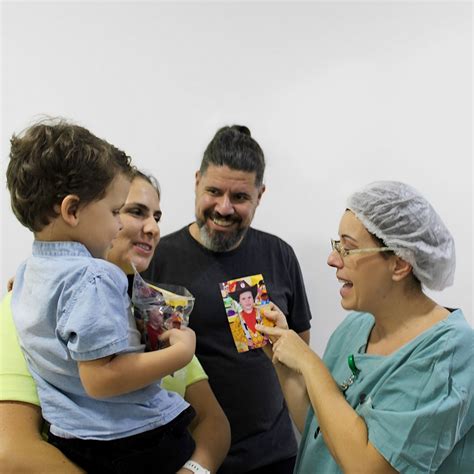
(16, 382)
(182, 378)
(194, 372)
(298, 307)
(95, 320)
(408, 416)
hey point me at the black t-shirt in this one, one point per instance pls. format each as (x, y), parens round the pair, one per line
(244, 383)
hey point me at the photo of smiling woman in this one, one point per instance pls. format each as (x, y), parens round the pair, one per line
(394, 391)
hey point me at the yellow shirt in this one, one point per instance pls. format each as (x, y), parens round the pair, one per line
(17, 384)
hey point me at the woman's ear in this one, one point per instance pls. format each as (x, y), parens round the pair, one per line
(69, 209)
(401, 269)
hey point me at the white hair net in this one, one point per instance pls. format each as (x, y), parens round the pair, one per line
(406, 222)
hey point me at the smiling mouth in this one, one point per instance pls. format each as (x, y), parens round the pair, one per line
(222, 222)
(345, 283)
(144, 246)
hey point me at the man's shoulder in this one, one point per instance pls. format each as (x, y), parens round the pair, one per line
(174, 237)
(174, 250)
(254, 236)
(260, 236)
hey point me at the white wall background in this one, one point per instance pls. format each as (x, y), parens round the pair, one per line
(337, 94)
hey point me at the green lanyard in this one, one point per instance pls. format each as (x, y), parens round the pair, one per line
(355, 372)
(352, 365)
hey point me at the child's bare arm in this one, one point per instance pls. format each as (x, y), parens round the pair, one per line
(123, 373)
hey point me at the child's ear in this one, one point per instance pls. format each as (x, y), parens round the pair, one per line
(69, 209)
(401, 269)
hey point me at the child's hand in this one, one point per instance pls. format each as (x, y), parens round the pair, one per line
(185, 337)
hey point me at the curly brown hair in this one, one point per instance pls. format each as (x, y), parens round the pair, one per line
(48, 161)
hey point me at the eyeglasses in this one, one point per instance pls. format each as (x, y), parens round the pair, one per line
(337, 246)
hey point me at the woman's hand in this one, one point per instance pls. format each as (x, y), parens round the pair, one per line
(288, 347)
(274, 314)
(287, 365)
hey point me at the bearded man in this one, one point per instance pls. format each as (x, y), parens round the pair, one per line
(220, 246)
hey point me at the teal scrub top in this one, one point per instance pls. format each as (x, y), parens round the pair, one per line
(417, 403)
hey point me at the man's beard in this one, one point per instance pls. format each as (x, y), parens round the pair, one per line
(219, 241)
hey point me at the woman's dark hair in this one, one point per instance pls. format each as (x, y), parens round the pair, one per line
(150, 179)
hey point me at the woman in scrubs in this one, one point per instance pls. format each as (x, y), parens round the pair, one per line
(394, 390)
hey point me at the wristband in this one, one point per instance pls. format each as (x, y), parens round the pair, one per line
(195, 467)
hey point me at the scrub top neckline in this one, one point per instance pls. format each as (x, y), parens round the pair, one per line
(361, 351)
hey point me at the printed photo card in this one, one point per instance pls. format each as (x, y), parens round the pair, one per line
(244, 299)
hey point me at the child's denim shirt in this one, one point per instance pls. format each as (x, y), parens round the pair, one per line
(69, 307)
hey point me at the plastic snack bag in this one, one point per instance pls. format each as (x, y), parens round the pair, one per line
(159, 308)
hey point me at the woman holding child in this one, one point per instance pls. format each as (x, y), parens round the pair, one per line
(136, 241)
(394, 390)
